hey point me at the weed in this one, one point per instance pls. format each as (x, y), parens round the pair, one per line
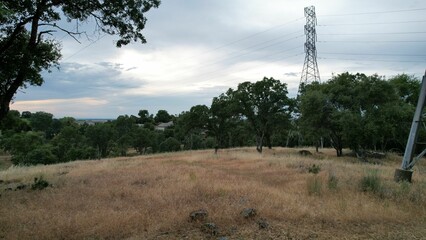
(39, 184)
(332, 181)
(315, 169)
(371, 182)
(192, 176)
(314, 185)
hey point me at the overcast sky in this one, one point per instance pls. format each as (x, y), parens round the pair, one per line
(197, 49)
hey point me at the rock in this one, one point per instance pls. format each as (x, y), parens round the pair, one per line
(263, 224)
(305, 153)
(223, 238)
(21, 187)
(199, 215)
(210, 228)
(248, 212)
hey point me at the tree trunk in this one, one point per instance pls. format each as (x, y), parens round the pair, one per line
(24, 65)
(4, 107)
(259, 143)
(316, 146)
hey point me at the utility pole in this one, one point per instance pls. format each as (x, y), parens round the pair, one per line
(406, 171)
(310, 72)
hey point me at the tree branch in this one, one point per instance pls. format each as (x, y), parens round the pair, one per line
(44, 32)
(70, 33)
(19, 27)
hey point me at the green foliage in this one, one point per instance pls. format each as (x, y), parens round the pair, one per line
(39, 184)
(371, 182)
(170, 145)
(41, 121)
(314, 185)
(315, 169)
(145, 117)
(13, 123)
(264, 103)
(99, 136)
(358, 111)
(143, 138)
(162, 116)
(333, 182)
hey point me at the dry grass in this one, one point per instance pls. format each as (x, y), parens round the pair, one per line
(151, 197)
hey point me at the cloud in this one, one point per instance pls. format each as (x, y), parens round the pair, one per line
(198, 49)
(60, 107)
(291, 74)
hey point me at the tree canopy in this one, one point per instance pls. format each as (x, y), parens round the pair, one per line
(359, 111)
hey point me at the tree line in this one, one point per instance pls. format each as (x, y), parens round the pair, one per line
(352, 111)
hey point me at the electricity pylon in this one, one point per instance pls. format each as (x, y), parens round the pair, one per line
(406, 171)
(310, 72)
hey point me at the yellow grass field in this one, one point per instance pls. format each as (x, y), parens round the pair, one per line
(151, 197)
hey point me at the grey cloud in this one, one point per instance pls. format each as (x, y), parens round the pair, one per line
(76, 80)
(291, 74)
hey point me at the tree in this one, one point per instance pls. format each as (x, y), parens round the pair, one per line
(222, 120)
(145, 117)
(162, 116)
(41, 121)
(357, 111)
(13, 123)
(29, 148)
(193, 125)
(142, 139)
(170, 145)
(262, 103)
(26, 48)
(100, 136)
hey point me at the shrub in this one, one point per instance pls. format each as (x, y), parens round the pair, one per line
(40, 155)
(314, 185)
(371, 182)
(170, 145)
(39, 184)
(315, 169)
(332, 181)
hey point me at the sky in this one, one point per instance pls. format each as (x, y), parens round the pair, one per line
(196, 50)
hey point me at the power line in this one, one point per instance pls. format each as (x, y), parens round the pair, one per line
(374, 23)
(379, 54)
(375, 41)
(248, 37)
(280, 52)
(258, 66)
(377, 33)
(367, 13)
(373, 60)
(84, 48)
(248, 53)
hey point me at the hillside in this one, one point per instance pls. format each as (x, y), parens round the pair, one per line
(152, 197)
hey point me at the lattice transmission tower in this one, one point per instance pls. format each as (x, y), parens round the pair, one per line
(310, 72)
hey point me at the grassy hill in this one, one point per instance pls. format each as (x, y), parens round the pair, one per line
(152, 197)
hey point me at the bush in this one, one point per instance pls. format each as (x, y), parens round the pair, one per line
(170, 145)
(332, 181)
(371, 182)
(39, 184)
(315, 169)
(40, 155)
(314, 185)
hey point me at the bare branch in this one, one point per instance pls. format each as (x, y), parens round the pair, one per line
(70, 33)
(44, 32)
